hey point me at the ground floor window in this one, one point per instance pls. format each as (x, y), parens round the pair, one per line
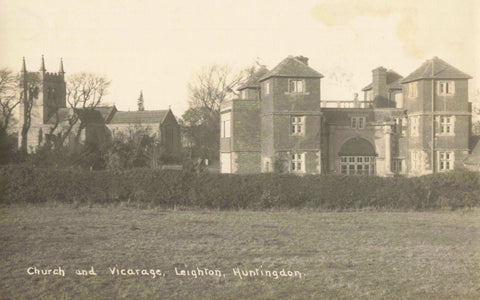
(297, 162)
(397, 165)
(445, 160)
(225, 162)
(357, 165)
(416, 160)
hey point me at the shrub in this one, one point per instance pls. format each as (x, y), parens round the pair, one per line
(171, 188)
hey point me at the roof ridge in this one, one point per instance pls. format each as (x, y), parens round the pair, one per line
(292, 67)
(427, 71)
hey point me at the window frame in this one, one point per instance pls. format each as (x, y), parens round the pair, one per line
(413, 89)
(445, 125)
(225, 122)
(414, 127)
(243, 94)
(445, 88)
(355, 122)
(294, 89)
(357, 165)
(397, 165)
(416, 160)
(399, 126)
(445, 161)
(297, 158)
(297, 122)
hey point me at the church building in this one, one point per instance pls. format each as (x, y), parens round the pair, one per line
(49, 110)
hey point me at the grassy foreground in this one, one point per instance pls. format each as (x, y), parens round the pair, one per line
(374, 255)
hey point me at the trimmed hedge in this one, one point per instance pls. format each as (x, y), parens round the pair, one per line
(170, 188)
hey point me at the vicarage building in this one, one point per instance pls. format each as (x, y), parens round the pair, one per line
(413, 125)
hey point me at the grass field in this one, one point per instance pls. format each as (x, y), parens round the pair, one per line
(355, 255)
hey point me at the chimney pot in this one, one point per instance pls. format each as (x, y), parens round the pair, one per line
(303, 59)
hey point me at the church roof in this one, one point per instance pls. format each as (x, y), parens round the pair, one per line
(107, 112)
(394, 81)
(254, 80)
(292, 67)
(62, 113)
(139, 117)
(436, 68)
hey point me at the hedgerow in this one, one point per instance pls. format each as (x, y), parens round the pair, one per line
(171, 188)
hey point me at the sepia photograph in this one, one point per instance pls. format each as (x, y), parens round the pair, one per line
(310, 149)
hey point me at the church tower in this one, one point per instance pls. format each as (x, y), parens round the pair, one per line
(46, 92)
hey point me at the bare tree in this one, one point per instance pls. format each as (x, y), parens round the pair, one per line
(30, 84)
(212, 86)
(9, 98)
(85, 92)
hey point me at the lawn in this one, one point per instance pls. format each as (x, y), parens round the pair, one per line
(354, 255)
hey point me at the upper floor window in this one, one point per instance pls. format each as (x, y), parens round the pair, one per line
(267, 88)
(244, 94)
(357, 122)
(297, 125)
(399, 127)
(414, 126)
(445, 88)
(225, 130)
(413, 89)
(446, 125)
(446, 160)
(398, 100)
(296, 86)
(297, 162)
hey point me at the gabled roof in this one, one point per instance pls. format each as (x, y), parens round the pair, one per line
(393, 81)
(292, 67)
(62, 113)
(254, 80)
(107, 112)
(474, 157)
(139, 117)
(99, 114)
(436, 68)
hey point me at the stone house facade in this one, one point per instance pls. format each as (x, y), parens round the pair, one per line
(412, 126)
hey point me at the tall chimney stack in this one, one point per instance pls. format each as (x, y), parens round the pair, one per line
(379, 85)
(303, 59)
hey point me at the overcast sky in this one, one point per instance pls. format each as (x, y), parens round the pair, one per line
(158, 46)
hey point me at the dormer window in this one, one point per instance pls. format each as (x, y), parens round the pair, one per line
(296, 86)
